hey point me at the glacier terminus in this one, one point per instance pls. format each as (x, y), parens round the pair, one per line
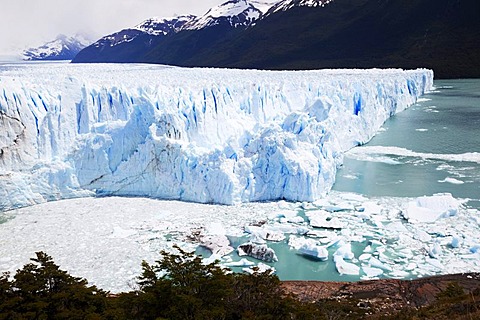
(198, 135)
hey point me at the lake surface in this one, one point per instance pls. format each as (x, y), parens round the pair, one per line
(426, 140)
(445, 124)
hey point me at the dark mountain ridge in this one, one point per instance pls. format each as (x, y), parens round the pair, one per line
(442, 35)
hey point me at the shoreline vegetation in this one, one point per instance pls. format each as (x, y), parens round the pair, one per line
(180, 286)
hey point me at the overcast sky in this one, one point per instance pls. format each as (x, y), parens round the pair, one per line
(26, 23)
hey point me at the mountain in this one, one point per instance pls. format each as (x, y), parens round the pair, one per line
(131, 45)
(314, 34)
(125, 45)
(62, 48)
(288, 4)
(357, 34)
(234, 13)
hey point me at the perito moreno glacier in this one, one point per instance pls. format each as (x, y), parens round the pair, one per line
(201, 135)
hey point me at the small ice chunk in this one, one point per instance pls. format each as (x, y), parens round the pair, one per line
(451, 180)
(344, 267)
(307, 205)
(374, 262)
(434, 262)
(346, 206)
(215, 228)
(120, 233)
(345, 251)
(430, 209)
(397, 226)
(399, 274)
(217, 244)
(364, 256)
(242, 263)
(475, 248)
(260, 268)
(318, 252)
(323, 219)
(372, 272)
(422, 235)
(435, 251)
(257, 251)
(456, 242)
(296, 219)
(411, 266)
(265, 233)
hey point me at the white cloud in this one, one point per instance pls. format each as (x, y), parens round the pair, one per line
(25, 23)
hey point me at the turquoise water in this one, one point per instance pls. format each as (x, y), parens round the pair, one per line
(447, 124)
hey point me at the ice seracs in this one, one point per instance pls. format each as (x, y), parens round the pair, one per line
(202, 135)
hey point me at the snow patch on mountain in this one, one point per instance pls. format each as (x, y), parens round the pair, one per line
(236, 13)
(62, 48)
(163, 26)
(288, 4)
(152, 27)
(202, 135)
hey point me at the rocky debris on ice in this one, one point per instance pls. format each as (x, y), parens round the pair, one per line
(217, 244)
(257, 251)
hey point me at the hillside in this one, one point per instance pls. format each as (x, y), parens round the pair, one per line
(343, 34)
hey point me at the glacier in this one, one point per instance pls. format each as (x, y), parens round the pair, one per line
(192, 134)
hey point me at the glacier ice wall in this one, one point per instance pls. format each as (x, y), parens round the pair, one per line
(202, 135)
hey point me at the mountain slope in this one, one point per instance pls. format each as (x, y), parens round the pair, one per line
(181, 39)
(128, 44)
(313, 34)
(353, 34)
(62, 48)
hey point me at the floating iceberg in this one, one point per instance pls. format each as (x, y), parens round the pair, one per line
(257, 251)
(318, 252)
(201, 135)
(430, 209)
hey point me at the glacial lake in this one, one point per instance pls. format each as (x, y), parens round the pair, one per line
(427, 139)
(432, 147)
(447, 123)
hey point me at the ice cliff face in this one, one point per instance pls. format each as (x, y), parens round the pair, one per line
(203, 135)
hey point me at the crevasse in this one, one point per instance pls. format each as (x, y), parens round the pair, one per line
(202, 135)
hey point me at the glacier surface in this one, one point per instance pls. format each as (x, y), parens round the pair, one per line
(202, 135)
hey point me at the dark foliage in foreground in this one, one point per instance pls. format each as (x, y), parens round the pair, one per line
(179, 286)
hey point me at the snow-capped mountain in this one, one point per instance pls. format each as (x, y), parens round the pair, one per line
(134, 44)
(164, 26)
(263, 6)
(150, 27)
(288, 4)
(234, 13)
(62, 48)
(314, 34)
